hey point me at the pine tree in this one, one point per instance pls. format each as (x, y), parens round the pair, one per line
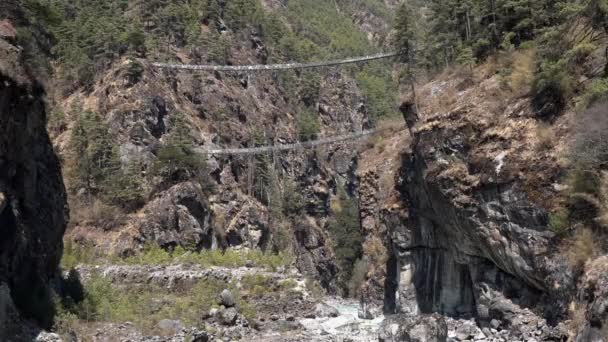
(308, 124)
(94, 154)
(405, 42)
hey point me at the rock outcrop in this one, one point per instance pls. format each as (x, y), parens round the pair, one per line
(593, 291)
(180, 216)
(33, 211)
(474, 238)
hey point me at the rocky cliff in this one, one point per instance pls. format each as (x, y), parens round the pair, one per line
(472, 237)
(33, 210)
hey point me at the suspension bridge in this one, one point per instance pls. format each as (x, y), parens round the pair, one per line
(354, 136)
(272, 67)
(296, 146)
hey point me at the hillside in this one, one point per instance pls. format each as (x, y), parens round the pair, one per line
(128, 133)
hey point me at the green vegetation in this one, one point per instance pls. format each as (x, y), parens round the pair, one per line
(346, 235)
(176, 159)
(153, 255)
(96, 167)
(375, 82)
(559, 221)
(308, 124)
(566, 34)
(144, 306)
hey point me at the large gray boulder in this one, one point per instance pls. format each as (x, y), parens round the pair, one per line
(228, 316)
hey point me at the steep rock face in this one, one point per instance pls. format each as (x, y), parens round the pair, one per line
(379, 205)
(474, 241)
(33, 209)
(312, 255)
(593, 290)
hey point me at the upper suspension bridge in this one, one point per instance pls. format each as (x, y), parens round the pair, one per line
(271, 67)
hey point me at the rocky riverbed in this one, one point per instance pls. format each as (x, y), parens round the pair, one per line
(291, 313)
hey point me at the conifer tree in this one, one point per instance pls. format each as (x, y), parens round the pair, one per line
(345, 229)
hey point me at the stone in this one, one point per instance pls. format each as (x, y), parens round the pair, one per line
(495, 323)
(228, 316)
(227, 299)
(7, 30)
(323, 310)
(48, 337)
(200, 336)
(169, 325)
(421, 328)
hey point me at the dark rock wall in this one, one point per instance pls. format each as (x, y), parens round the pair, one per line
(471, 244)
(33, 210)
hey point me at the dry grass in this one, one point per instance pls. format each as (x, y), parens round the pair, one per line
(522, 64)
(375, 250)
(576, 311)
(97, 214)
(582, 248)
(603, 215)
(545, 137)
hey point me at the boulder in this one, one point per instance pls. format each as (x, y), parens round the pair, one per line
(200, 336)
(228, 316)
(323, 310)
(170, 326)
(422, 328)
(48, 337)
(227, 299)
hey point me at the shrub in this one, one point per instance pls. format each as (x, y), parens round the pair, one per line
(559, 221)
(177, 160)
(134, 71)
(293, 201)
(551, 88)
(582, 248)
(583, 181)
(522, 64)
(545, 136)
(358, 278)
(596, 93)
(315, 290)
(379, 90)
(74, 255)
(308, 124)
(96, 213)
(345, 230)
